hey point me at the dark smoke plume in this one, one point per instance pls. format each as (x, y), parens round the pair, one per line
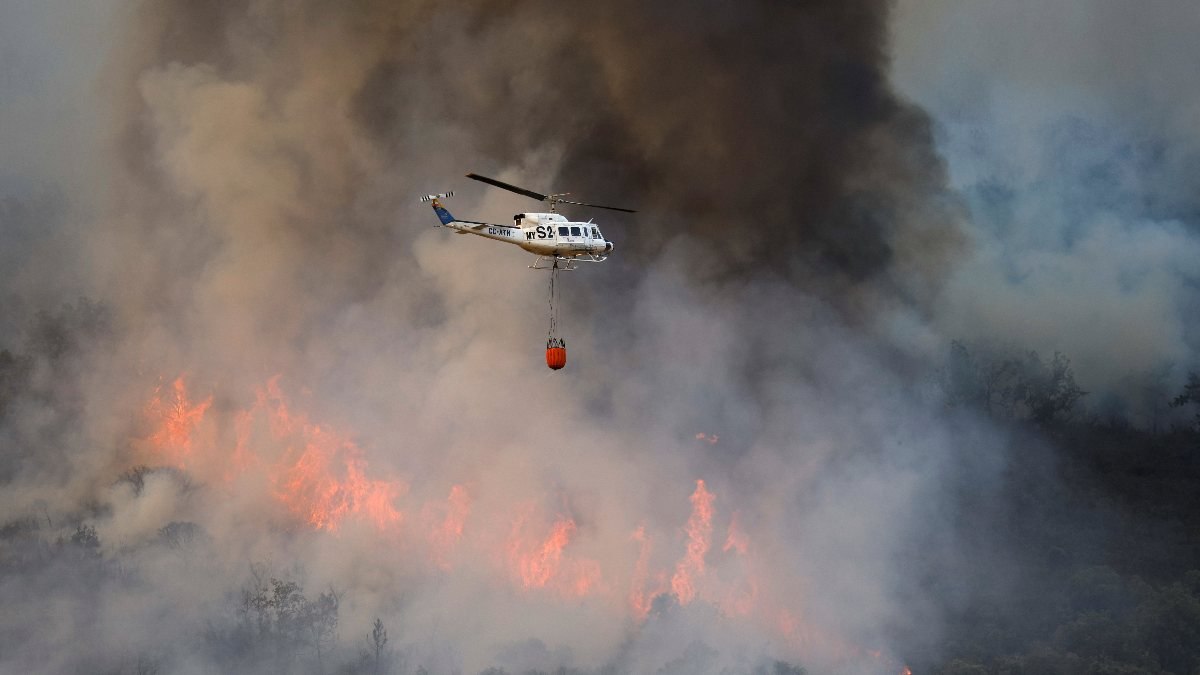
(258, 236)
(764, 133)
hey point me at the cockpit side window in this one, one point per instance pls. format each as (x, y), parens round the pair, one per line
(595, 233)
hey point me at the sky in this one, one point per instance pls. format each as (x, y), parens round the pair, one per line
(217, 266)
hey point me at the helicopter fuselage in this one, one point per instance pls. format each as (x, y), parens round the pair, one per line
(544, 234)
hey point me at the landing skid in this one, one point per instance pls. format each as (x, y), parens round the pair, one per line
(563, 263)
(557, 263)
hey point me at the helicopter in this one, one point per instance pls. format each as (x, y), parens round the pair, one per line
(549, 236)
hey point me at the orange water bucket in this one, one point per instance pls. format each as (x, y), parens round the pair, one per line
(556, 357)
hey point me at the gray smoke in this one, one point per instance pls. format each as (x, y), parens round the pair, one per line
(248, 214)
(1071, 136)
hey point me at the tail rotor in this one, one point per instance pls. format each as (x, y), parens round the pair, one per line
(442, 214)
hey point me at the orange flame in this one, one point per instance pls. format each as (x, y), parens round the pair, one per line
(699, 535)
(584, 579)
(321, 477)
(735, 539)
(740, 598)
(178, 419)
(243, 459)
(542, 563)
(445, 524)
(641, 599)
(538, 565)
(318, 475)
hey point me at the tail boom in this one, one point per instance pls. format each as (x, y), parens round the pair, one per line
(442, 214)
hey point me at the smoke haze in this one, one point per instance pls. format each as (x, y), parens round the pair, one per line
(1070, 136)
(746, 463)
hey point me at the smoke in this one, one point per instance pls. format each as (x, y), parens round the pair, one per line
(361, 406)
(1070, 142)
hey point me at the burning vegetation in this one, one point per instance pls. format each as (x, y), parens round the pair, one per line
(320, 478)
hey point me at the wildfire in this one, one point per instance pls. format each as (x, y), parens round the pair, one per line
(315, 473)
(538, 565)
(699, 536)
(324, 482)
(641, 599)
(735, 539)
(320, 477)
(540, 562)
(179, 418)
(740, 598)
(445, 524)
(243, 458)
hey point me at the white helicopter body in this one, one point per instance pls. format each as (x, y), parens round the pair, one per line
(546, 235)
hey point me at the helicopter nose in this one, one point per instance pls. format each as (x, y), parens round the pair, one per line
(608, 247)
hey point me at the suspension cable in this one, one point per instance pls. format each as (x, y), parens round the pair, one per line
(551, 339)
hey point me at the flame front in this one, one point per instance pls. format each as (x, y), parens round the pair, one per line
(643, 590)
(321, 478)
(740, 597)
(699, 537)
(179, 418)
(539, 562)
(445, 522)
(315, 473)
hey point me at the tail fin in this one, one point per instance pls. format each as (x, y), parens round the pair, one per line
(442, 214)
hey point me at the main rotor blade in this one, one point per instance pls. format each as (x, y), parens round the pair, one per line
(511, 188)
(595, 206)
(552, 199)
